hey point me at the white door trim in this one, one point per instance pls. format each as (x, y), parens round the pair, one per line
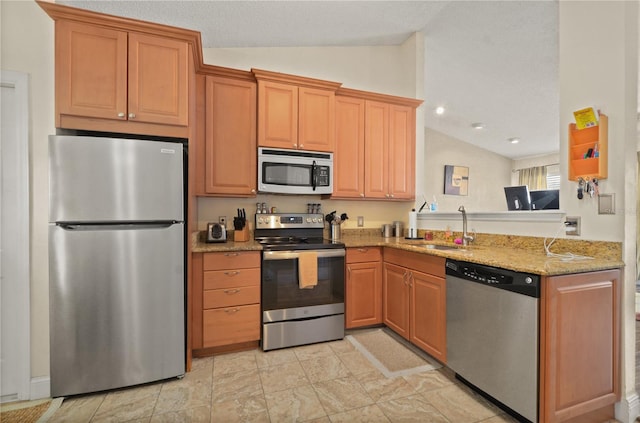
(20, 82)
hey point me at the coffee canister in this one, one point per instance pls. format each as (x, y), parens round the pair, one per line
(387, 230)
(398, 229)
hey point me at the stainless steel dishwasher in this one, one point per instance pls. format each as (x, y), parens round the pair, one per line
(492, 334)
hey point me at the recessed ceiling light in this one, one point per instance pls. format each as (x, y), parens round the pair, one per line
(439, 110)
(513, 140)
(477, 125)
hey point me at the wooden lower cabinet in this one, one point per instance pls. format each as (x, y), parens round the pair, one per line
(414, 299)
(226, 301)
(363, 287)
(579, 347)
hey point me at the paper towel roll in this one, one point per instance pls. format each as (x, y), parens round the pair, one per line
(413, 224)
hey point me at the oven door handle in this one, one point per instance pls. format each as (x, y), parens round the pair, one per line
(287, 255)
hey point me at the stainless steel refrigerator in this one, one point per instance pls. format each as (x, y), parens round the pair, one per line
(116, 262)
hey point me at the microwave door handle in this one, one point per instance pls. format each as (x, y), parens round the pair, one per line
(314, 175)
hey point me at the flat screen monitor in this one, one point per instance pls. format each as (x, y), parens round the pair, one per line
(518, 197)
(545, 199)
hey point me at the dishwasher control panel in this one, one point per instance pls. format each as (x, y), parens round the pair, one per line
(523, 283)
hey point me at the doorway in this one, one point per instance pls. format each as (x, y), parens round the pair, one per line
(15, 331)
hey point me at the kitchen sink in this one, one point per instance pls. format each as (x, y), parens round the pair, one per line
(442, 247)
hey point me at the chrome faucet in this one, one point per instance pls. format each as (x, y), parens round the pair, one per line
(466, 238)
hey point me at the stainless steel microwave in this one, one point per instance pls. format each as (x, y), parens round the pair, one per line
(294, 171)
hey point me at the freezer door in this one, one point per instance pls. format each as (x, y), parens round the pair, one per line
(117, 306)
(94, 179)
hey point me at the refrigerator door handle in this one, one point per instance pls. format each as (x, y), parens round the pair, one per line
(116, 227)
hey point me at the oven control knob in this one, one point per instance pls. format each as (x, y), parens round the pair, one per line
(528, 280)
(309, 220)
(260, 220)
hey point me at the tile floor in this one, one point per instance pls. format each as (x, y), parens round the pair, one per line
(321, 383)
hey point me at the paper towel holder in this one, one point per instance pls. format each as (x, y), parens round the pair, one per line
(412, 232)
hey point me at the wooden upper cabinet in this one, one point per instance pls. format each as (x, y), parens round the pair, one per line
(316, 119)
(158, 80)
(375, 146)
(116, 75)
(91, 71)
(402, 152)
(230, 137)
(376, 150)
(277, 115)
(348, 158)
(295, 112)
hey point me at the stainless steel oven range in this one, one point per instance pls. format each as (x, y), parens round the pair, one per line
(296, 311)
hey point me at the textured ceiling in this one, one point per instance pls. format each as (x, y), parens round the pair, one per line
(493, 62)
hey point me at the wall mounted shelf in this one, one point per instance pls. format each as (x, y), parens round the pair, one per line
(581, 141)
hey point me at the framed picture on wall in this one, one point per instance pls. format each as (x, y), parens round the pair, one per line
(456, 180)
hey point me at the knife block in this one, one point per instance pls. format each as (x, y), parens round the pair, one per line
(241, 235)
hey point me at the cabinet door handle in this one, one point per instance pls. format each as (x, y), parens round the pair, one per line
(411, 279)
(391, 195)
(121, 114)
(232, 310)
(232, 273)
(362, 194)
(253, 191)
(231, 291)
(348, 272)
(404, 277)
(132, 115)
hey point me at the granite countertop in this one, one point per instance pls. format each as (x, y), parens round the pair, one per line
(510, 253)
(513, 258)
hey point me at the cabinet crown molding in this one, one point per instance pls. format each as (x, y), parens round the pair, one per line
(303, 81)
(385, 98)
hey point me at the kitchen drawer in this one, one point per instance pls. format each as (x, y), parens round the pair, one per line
(231, 260)
(231, 325)
(217, 279)
(425, 263)
(228, 297)
(363, 254)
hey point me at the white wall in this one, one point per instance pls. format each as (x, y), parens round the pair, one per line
(27, 46)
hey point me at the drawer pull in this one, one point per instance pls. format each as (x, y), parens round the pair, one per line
(231, 291)
(232, 273)
(232, 310)
(231, 254)
(363, 250)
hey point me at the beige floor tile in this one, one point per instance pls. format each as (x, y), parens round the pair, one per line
(294, 405)
(192, 415)
(188, 393)
(308, 352)
(339, 395)
(356, 362)
(428, 381)
(274, 357)
(324, 368)
(231, 363)
(241, 384)
(503, 418)
(381, 388)
(128, 404)
(78, 409)
(205, 363)
(410, 409)
(368, 414)
(248, 409)
(320, 420)
(283, 376)
(342, 346)
(460, 405)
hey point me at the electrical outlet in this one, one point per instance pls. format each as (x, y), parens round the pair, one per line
(572, 226)
(222, 220)
(360, 221)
